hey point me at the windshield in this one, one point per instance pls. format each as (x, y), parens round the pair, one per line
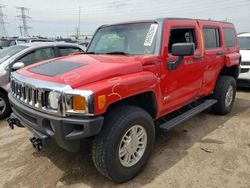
(10, 51)
(126, 39)
(244, 43)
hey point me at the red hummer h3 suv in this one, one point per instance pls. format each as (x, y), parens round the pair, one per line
(133, 77)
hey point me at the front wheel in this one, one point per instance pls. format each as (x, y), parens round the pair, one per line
(123, 147)
(4, 106)
(224, 93)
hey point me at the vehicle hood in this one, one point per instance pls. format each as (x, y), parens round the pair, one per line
(245, 55)
(79, 70)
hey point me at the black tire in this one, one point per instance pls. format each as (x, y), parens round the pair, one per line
(4, 112)
(222, 87)
(106, 145)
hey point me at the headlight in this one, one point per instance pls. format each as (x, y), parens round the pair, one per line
(53, 100)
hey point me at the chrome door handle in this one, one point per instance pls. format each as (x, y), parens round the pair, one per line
(220, 53)
(198, 57)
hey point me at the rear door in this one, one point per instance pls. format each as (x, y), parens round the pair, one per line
(183, 85)
(213, 55)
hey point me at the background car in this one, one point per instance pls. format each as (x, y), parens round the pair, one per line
(66, 40)
(244, 77)
(18, 56)
(7, 42)
(84, 45)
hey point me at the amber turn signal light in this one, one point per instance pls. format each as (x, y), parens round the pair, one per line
(101, 101)
(79, 103)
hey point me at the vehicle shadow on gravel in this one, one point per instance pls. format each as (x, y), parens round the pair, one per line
(170, 148)
(244, 89)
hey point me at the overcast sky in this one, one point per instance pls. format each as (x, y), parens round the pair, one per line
(60, 17)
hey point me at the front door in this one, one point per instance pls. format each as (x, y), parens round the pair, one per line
(182, 85)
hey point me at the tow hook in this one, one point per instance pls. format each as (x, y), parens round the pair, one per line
(11, 121)
(37, 143)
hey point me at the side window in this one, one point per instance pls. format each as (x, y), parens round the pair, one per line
(230, 37)
(36, 41)
(64, 51)
(38, 55)
(181, 35)
(28, 59)
(21, 41)
(12, 43)
(212, 38)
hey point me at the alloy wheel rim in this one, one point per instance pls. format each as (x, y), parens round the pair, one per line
(132, 146)
(229, 96)
(2, 105)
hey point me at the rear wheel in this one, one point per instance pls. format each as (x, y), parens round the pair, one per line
(123, 147)
(4, 106)
(224, 93)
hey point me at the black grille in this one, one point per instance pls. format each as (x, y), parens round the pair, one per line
(245, 63)
(244, 70)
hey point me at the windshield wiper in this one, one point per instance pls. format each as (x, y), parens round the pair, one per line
(110, 53)
(90, 53)
(118, 53)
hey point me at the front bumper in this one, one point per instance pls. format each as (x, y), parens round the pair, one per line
(244, 77)
(66, 132)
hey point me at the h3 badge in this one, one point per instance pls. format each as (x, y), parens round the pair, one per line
(188, 62)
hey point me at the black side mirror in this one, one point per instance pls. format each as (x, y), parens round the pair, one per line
(181, 50)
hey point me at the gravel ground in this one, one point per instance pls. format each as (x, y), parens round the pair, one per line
(206, 151)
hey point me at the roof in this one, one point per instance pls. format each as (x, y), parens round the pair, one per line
(46, 44)
(164, 19)
(245, 34)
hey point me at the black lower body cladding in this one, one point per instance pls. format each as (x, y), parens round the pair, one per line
(66, 132)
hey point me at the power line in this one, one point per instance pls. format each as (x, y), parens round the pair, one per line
(24, 19)
(3, 31)
(105, 12)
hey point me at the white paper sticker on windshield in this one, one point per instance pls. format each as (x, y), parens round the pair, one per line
(150, 35)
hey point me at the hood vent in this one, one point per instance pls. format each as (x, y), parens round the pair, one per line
(54, 68)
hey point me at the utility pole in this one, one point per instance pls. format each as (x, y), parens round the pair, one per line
(23, 16)
(77, 33)
(3, 31)
(20, 30)
(78, 30)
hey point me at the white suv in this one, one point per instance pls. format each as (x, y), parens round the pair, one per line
(244, 41)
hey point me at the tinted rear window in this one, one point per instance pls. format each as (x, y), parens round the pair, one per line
(230, 37)
(212, 38)
(244, 43)
(64, 51)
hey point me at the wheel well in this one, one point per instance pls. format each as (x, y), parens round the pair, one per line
(145, 101)
(3, 91)
(230, 71)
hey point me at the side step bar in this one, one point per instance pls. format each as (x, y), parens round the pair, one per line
(188, 114)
